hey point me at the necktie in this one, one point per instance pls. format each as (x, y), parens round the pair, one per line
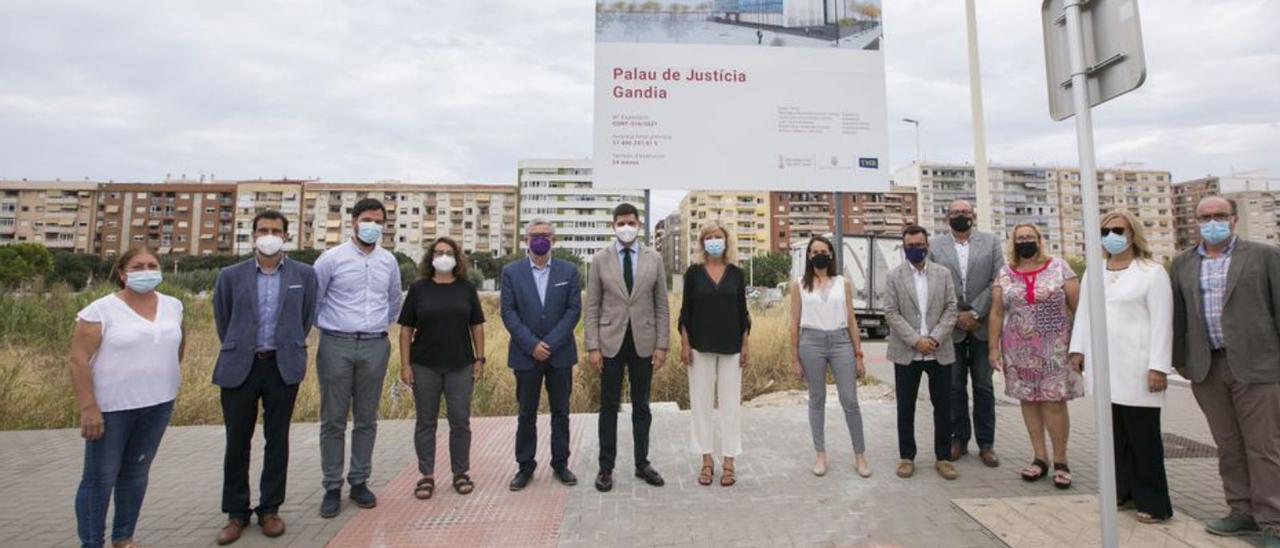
(627, 276)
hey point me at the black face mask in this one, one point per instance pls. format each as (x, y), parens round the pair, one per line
(961, 224)
(1026, 250)
(820, 261)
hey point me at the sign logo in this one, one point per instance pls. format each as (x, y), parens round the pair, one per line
(869, 163)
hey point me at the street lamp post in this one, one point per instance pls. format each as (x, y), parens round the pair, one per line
(917, 124)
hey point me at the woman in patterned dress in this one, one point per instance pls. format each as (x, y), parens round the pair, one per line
(1032, 303)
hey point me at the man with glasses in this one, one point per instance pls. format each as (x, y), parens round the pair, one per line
(1226, 340)
(541, 304)
(974, 259)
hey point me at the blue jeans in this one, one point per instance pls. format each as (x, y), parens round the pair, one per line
(118, 462)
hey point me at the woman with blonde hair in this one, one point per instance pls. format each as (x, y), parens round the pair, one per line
(1032, 302)
(1140, 351)
(714, 325)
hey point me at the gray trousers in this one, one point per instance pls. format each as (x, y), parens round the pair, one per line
(456, 386)
(351, 374)
(817, 349)
(1245, 422)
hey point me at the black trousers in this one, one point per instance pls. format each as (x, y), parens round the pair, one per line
(640, 369)
(240, 415)
(559, 382)
(1140, 459)
(907, 388)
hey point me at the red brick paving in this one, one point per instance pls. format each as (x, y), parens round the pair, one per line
(492, 515)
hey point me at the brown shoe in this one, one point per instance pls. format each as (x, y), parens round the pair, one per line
(946, 470)
(958, 450)
(989, 457)
(231, 531)
(906, 468)
(272, 525)
(124, 543)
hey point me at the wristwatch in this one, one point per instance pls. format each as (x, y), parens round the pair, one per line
(481, 359)
(857, 354)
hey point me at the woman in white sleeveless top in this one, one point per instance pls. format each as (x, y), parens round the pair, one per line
(824, 331)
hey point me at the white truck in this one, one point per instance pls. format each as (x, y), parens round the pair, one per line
(867, 261)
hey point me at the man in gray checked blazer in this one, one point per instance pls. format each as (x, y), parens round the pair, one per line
(920, 307)
(626, 329)
(1226, 340)
(974, 259)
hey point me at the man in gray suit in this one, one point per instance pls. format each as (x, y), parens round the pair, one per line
(1226, 340)
(627, 329)
(974, 259)
(263, 309)
(920, 307)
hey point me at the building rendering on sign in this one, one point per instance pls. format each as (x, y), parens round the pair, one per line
(561, 191)
(57, 214)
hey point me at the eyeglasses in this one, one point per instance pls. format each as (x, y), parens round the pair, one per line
(540, 235)
(916, 246)
(1117, 230)
(1214, 217)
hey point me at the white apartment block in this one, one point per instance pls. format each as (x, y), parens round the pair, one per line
(253, 197)
(1147, 194)
(481, 218)
(561, 192)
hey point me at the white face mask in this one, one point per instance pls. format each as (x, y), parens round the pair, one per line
(626, 233)
(269, 245)
(444, 263)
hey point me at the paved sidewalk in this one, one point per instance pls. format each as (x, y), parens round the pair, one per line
(777, 501)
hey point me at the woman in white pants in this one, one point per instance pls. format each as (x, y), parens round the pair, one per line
(713, 329)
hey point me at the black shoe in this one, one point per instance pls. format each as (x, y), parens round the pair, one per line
(650, 476)
(604, 481)
(363, 496)
(332, 504)
(521, 480)
(566, 477)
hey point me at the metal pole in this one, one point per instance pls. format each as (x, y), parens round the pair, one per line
(983, 206)
(1093, 273)
(648, 239)
(838, 232)
(917, 124)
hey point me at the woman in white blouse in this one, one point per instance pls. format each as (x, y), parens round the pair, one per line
(1140, 346)
(124, 368)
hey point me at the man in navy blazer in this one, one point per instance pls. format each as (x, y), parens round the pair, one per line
(541, 304)
(263, 309)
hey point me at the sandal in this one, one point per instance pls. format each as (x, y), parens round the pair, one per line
(462, 484)
(425, 488)
(727, 478)
(1061, 475)
(704, 475)
(1037, 464)
(1146, 518)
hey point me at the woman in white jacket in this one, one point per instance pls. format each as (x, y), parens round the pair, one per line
(1140, 346)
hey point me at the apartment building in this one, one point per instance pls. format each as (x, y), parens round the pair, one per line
(253, 197)
(668, 241)
(1256, 195)
(59, 214)
(481, 218)
(183, 217)
(1147, 194)
(1257, 215)
(744, 214)
(796, 216)
(561, 191)
(1186, 195)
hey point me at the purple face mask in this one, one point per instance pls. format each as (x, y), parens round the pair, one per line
(540, 245)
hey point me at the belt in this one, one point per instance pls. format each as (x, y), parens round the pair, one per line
(355, 335)
(264, 355)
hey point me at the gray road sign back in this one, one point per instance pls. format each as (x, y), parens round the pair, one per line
(1113, 52)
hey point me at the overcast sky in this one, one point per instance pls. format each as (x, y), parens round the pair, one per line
(453, 91)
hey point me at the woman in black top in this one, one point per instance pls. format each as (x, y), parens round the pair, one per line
(713, 329)
(442, 336)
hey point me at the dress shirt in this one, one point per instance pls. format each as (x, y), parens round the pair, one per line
(1213, 288)
(358, 292)
(541, 275)
(962, 256)
(635, 250)
(921, 278)
(268, 306)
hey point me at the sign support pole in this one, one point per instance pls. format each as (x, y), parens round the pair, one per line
(982, 180)
(1073, 10)
(837, 231)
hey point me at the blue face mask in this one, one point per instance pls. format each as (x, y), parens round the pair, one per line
(1215, 232)
(916, 254)
(1115, 243)
(143, 281)
(369, 233)
(714, 246)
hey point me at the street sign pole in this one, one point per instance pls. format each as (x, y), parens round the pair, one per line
(981, 174)
(837, 231)
(1072, 9)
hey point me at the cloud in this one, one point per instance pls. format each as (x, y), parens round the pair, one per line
(460, 91)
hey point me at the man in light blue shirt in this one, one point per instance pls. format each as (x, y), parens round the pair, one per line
(359, 297)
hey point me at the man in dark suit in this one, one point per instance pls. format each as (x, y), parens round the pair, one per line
(263, 308)
(974, 260)
(1226, 340)
(541, 304)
